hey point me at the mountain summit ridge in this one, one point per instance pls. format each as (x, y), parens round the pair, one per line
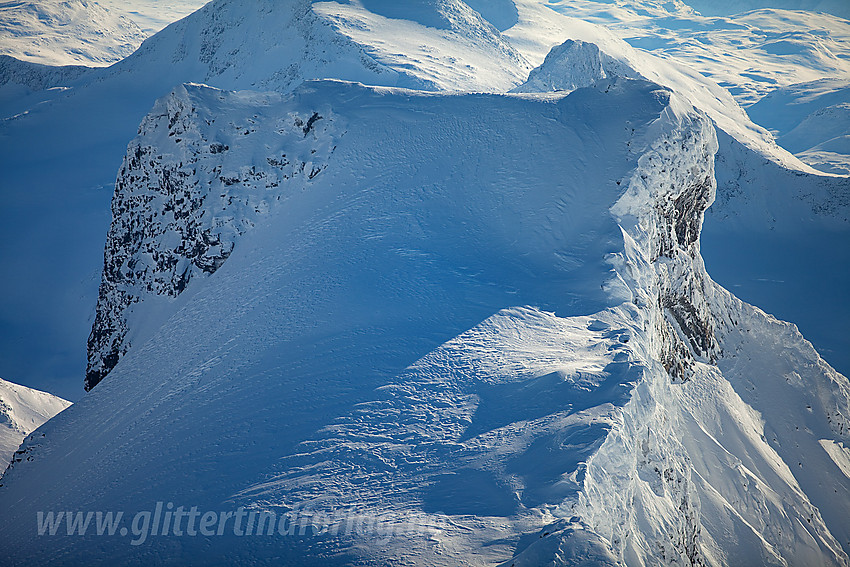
(434, 326)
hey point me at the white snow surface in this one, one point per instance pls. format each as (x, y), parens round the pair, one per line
(732, 7)
(153, 15)
(754, 55)
(812, 121)
(484, 318)
(62, 218)
(22, 411)
(66, 32)
(515, 345)
(750, 54)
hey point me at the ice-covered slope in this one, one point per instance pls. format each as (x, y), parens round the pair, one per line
(22, 411)
(66, 32)
(60, 214)
(474, 327)
(778, 229)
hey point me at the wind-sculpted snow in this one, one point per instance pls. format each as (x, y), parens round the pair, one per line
(60, 213)
(494, 351)
(759, 183)
(231, 44)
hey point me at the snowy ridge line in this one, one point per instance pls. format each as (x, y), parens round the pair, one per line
(648, 491)
(638, 495)
(22, 411)
(757, 180)
(675, 424)
(668, 334)
(372, 212)
(185, 194)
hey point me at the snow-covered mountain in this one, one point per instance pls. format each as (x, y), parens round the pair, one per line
(440, 326)
(362, 42)
(751, 191)
(66, 32)
(22, 411)
(754, 55)
(750, 54)
(810, 119)
(480, 319)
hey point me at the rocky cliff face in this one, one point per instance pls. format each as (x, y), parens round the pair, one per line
(183, 198)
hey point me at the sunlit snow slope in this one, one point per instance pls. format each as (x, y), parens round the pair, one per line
(485, 312)
(22, 410)
(66, 32)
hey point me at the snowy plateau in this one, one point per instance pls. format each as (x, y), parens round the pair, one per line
(432, 280)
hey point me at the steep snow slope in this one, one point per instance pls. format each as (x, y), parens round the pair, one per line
(487, 349)
(60, 213)
(22, 410)
(777, 232)
(230, 44)
(66, 32)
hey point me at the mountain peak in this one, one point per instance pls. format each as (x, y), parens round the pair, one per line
(22, 411)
